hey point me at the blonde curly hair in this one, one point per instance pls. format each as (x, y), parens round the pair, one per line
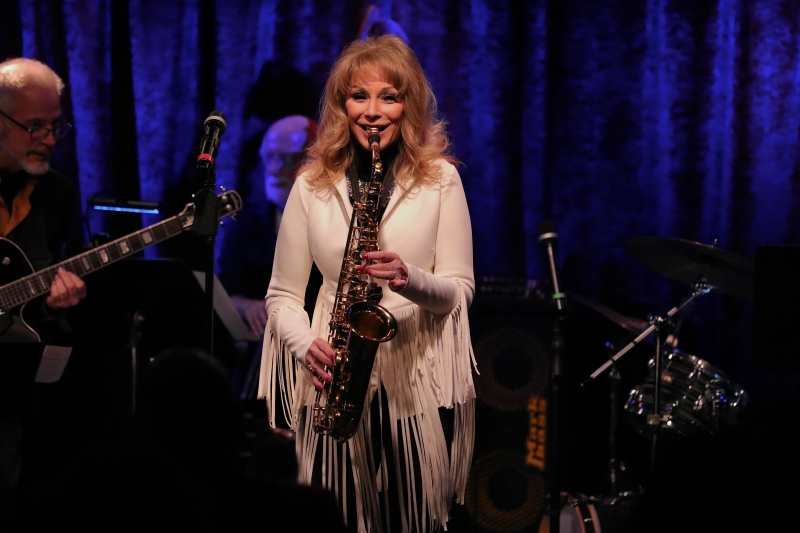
(423, 138)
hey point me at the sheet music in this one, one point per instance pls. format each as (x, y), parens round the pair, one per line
(227, 312)
(54, 359)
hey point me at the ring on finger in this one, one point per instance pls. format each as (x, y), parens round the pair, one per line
(394, 273)
(311, 369)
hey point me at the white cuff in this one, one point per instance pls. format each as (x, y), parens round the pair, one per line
(436, 294)
(294, 331)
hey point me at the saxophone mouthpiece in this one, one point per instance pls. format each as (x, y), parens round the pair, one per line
(373, 138)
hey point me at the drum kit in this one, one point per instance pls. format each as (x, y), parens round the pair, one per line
(682, 395)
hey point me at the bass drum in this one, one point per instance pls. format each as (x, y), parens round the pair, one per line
(588, 514)
(696, 397)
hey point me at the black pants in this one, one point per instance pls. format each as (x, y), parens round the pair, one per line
(390, 497)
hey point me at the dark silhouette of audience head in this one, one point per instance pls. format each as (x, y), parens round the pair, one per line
(183, 471)
(187, 411)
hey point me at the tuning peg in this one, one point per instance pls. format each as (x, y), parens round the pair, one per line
(221, 222)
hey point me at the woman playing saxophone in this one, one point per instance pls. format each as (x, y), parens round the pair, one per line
(410, 455)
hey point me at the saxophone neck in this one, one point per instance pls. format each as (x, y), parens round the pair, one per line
(374, 139)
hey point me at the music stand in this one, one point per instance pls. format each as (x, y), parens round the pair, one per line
(31, 361)
(226, 311)
(147, 306)
(776, 291)
(22, 363)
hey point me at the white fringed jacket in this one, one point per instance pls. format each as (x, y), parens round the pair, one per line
(426, 366)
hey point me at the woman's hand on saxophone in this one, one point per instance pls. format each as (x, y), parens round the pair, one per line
(319, 357)
(388, 266)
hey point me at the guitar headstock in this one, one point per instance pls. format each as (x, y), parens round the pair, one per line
(228, 203)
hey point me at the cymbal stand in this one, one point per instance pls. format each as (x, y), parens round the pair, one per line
(662, 324)
(656, 324)
(614, 379)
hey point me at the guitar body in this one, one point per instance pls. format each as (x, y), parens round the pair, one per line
(14, 265)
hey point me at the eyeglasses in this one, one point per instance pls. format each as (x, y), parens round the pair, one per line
(59, 130)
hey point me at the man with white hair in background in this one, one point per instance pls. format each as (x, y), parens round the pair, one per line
(36, 216)
(245, 262)
(282, 150)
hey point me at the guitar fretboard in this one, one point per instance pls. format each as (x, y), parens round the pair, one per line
(38, 283)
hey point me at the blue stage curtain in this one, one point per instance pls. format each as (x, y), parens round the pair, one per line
(613, 119)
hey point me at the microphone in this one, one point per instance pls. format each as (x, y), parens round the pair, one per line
(215, 126)
(548, 236)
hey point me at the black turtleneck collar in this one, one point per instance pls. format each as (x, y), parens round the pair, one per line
(362, 160)
(361, 170)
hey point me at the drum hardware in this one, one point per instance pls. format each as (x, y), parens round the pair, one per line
(658, 324)
(635, 326)
(697, 398)
(715, 394)
(704, 268)
(614, 378)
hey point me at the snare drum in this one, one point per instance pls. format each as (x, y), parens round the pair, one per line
(586, 514)
(696, 397)
(578, 515)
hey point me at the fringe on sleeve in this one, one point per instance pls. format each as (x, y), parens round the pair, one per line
(462, 447)
(449, 354)
(279, 370)
(450, 361)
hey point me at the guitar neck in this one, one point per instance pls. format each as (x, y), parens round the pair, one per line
(38, 283)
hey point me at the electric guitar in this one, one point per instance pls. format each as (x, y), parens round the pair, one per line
(16, 327)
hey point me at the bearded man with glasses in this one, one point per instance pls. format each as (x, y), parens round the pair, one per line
(36, 215)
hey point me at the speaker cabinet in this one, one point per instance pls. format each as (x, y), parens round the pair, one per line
(510, 334)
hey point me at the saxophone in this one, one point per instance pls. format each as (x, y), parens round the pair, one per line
(358, 323)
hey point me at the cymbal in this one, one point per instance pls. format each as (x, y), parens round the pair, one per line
(690, 262)
(634, 325)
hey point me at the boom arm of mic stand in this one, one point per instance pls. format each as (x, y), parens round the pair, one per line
(697, 290)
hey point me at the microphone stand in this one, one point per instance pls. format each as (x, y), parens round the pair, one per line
(206, 218)
(548, 235)
(553, 412)
(206, 224)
